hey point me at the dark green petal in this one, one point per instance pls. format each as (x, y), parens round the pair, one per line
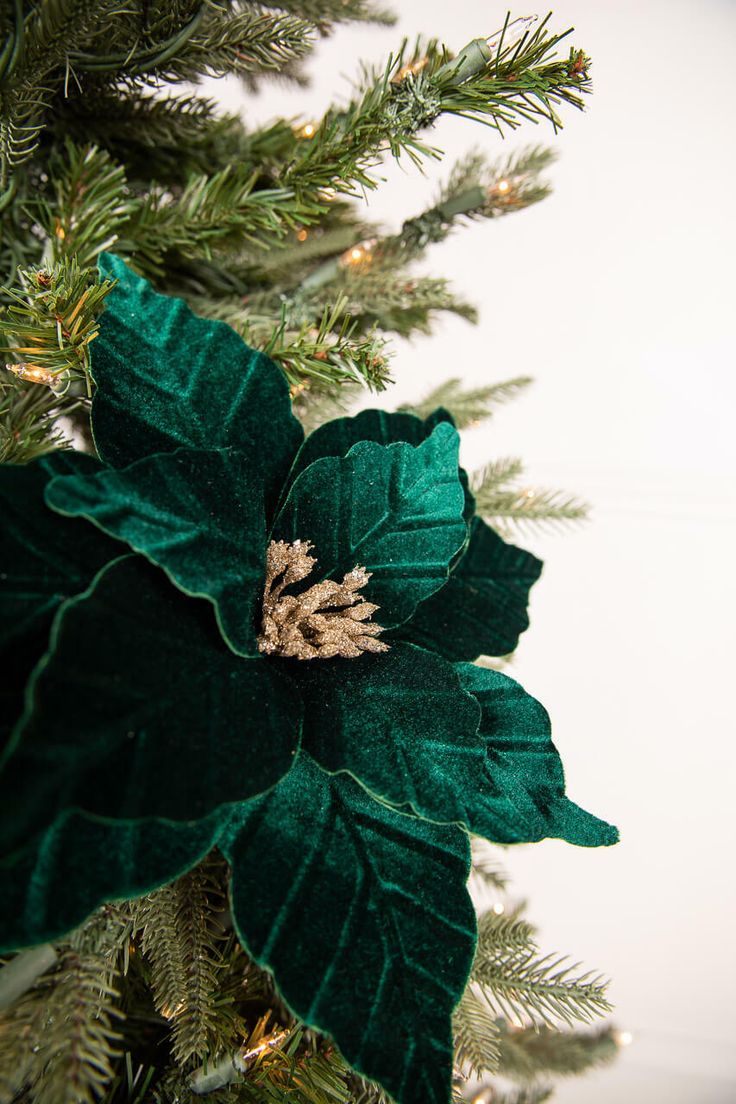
(43, 561)
(401, 724)
(140, 710)
(482, 610)
(81, 862)
(195, 513)
(166, 378)
(525, 798)
(337, 437)
(394, 509)
(364, 918)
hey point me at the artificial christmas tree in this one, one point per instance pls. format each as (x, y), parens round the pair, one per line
(248, 725)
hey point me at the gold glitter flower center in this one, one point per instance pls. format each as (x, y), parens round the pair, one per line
(328, 619)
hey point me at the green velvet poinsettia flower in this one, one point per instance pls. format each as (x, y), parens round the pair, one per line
(169, 710)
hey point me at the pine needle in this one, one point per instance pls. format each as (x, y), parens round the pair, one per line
(476, 1034)
(181, 937)
(506, 505)
(468, 406)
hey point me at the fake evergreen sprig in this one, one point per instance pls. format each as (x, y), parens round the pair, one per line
(204, 207)
(468, 405)
(518, 982)
(507, 502)
(491, 82)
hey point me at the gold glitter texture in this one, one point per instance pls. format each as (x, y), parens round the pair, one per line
(328, 619)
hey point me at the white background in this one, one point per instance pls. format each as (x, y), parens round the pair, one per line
(616, 294)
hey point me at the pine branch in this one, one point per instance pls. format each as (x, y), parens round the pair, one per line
(476, 1034)
(48, 34)
(520, 985)
(486, 867)
(317, 356)
(315, 407)
(468, 405)
(503, 934)
(29, 420)
(474, 190)
(287, 266)
(240, 42)
(48, 328)
(61, 1037)
(91, 207)
(400, 305)
(366, 1092)
(94, 208)
(501, 503)
(531, 1053)
(325, 13)
(211, 213)
(181, 938)
(520, 82)
(163, 138)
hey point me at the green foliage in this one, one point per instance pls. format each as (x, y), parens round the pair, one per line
(180, 934)
(521, 985)
(505, 504)
(45, 336)
(334, 350)
(521, 82)
(50, 326)
(250, 227)
(486, 867)
(530, 1053)
(477, 1035)
(93, 156)
(61, 1039)
(28, 420)
(468, 405)
(474, 190)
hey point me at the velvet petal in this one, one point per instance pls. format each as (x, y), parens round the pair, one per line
(396, 509)
(401, 724)
(337, 437)
(363, 916)
(43, 559)
(166, 378)
(196, 513)
(482, 610)
(524, 798)
(81, 862)
(138, 687)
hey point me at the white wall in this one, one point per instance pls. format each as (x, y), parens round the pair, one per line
(616, 294)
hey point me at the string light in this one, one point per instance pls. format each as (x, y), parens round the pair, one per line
(411, 69)
(512, 33)
(302, 235)
(360, 254)
(501, 190)
(34, 373)
(499, 908)
(306, 130)
(269, 1043)
(623, 1038)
